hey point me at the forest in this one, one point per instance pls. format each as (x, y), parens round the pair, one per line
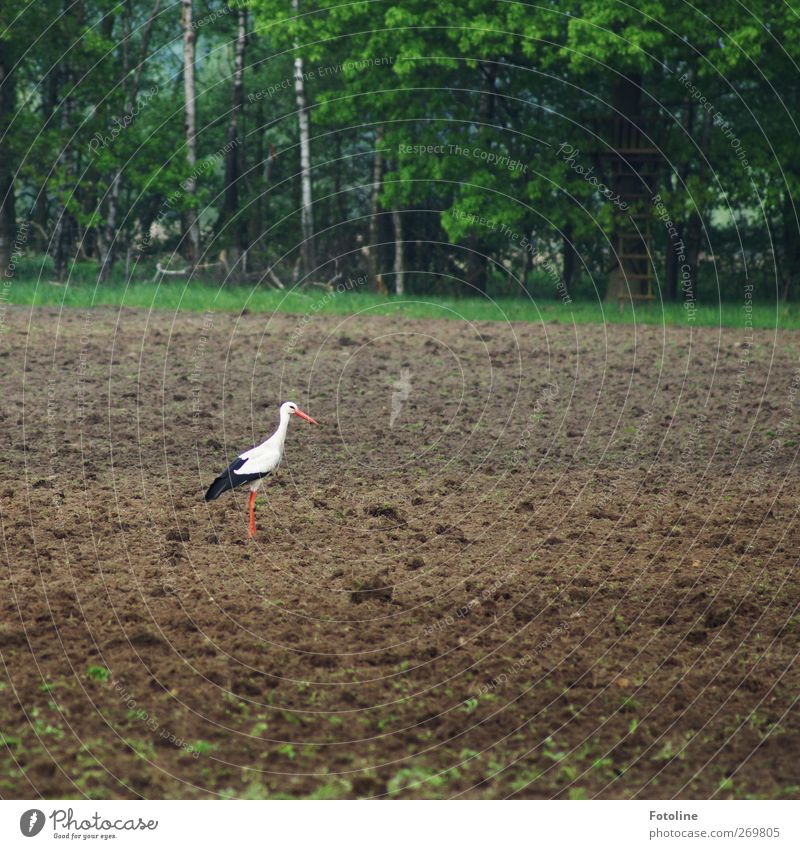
(472, 148)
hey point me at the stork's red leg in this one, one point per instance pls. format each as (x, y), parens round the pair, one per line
(251, 531)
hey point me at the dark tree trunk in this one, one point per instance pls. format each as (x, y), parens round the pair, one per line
(570, 256)
(373, 255)
(627, 100)
(234, 158)
(40, 212)
(477, 267)
(790, 267)
(486, 107)
(64, 234)
(107, 232)
(8, 223)
(341, 206)
(694, 227)
(527, 264)
(63, 242)
(477, 262)
(693, 241)
(258, 178)
(107, 237)
(671, 269)
(672, 264)
(683, 283)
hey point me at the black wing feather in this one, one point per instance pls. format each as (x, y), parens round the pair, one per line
(228, 480)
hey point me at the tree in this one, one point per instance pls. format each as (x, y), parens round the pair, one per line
(374, 246)
(465, 142)
(307, 203)
(131, 77)
(190, 123)
(399, 253)
(8, 102)
(234, 156)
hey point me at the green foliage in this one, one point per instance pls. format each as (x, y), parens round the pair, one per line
(468, 104)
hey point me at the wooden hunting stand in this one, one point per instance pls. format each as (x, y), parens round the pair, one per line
(633, 168)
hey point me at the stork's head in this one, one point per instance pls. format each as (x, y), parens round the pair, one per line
(289, 408)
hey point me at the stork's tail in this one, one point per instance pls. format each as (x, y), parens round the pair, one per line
(222, 484)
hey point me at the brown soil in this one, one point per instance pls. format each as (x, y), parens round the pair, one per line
(562, 562)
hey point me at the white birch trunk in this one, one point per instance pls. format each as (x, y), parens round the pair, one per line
(399, 259)
(306, 209)
(190, 123)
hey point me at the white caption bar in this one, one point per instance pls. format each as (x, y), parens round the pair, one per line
(397, 825)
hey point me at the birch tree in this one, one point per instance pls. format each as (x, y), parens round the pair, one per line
(399, 258)
(190, 124)
(373, 250)
(306, 209)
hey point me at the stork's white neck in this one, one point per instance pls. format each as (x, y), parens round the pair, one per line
(280, 434)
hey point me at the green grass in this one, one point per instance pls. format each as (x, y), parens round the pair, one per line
(201, 297)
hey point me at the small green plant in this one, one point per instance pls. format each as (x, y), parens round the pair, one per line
(550, 750)
(254, 791)
(142, 748)
(139, 714)
(414, 776)
(46, 729)
(335, 788)
(203, 748)
(666, 752)
(98, 673)
(9, 740)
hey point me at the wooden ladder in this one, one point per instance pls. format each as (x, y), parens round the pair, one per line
(634, 167)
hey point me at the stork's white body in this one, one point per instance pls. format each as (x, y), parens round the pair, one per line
(266, 457)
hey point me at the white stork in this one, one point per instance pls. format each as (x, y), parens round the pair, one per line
(254, 465)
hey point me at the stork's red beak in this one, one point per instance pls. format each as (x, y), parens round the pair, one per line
(305, 416)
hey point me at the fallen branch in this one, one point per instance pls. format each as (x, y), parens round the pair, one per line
(162, 271)
(274, 277)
